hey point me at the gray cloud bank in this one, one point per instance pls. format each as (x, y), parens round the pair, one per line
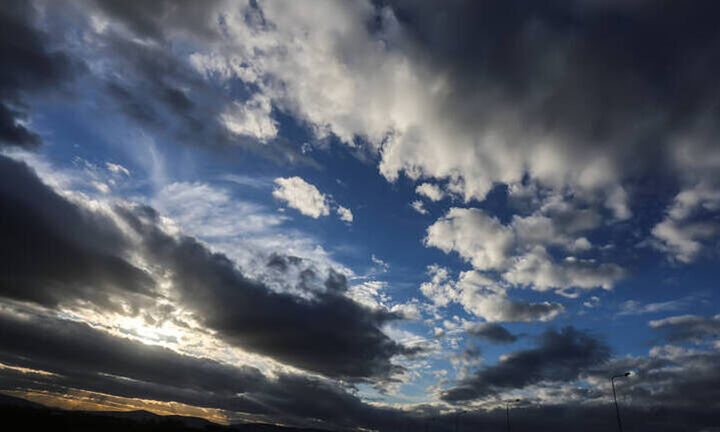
(56, 252)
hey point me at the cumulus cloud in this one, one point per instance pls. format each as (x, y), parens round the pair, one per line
(440, 288)
(430, 191)
(688, 224)
(301, 195)
(306, 198)
(516, 105)
(252, 118)
(344, 214)
(484, 297)
(519, 250)
(479, 238)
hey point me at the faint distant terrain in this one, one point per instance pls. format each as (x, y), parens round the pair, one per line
(22, 415)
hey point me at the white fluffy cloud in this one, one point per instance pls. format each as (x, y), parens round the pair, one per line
(440, 288)
(307, 199)
(251, 118)
(427, 123)
(300, 63)
(479, 295)
(518, 251)
(483, 297)
(302, 196)
(480, 239)
(681, 234)
(430, 191)
(344, 214)
(537, 269)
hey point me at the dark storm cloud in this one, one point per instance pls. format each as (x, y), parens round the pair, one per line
(28, 67)
(54, 251)
(683, 397)
(560, 356)
(494, 333)
(688, 327)
(617, 77)
(576, 417)
(330, 333)
(668, 379)
(80, 353)
(86, 358)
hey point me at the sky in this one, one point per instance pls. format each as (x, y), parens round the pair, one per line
(366, 215)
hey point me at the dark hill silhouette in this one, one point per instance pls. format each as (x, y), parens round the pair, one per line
(21, 415)
(6, 400)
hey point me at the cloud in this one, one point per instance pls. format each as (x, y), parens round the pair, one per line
(440, 288)
(498, 116)
(301, 195)
(209, 211)
(484, 297)
(160, 90)
(519, 250)
(87, 358)
(537, 269)
(561, 355)
(56, 252)
(345, 214)
(53, 264)
(689, 224)
(634, 307)
(310, 333)
(306, 198)
(688, 327)
(30, 67)
(164, 18)
(430, 191)
(251, 118)
(480, 239)
(380, 263)
(532, 101)
(419, 207)
(117, 169)
(493, 333)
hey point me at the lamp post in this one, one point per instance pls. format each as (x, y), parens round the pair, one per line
(507, 412)
(617, 410)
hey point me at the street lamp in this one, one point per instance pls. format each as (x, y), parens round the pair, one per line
(507, 412)
(617, 410)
